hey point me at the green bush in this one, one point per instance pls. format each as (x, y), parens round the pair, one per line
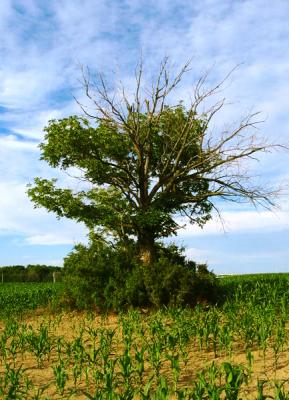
(111, 277)
(175, 281)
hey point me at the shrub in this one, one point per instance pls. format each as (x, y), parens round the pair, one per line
(176, 281)
(111, 277)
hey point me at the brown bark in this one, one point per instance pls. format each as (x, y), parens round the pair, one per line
(146, 244)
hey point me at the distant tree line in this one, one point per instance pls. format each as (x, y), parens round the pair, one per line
(30, 273)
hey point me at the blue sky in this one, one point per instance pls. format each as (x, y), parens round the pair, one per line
(42, 45)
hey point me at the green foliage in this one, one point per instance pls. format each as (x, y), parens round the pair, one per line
(112, 277)
(16, 298)
(110, 156)
(30, 273)
(175, 281)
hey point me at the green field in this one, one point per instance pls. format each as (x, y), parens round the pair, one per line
(16, 298)
(237, 349)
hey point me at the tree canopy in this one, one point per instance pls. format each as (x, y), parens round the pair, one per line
(147, 161)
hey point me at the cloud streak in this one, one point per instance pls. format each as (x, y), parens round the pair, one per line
(240, 221)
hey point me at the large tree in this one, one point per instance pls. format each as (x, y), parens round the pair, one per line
(148, 160)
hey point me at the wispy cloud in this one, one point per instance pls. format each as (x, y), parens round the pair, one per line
(18, 217)
(52, 239)
(239, 221)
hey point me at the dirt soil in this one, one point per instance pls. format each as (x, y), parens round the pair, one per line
(70, 325)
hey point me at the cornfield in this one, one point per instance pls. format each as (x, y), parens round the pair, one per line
(234, 350)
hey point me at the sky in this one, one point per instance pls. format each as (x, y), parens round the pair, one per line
(42, 47)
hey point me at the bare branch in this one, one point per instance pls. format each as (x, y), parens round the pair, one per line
(218, 160)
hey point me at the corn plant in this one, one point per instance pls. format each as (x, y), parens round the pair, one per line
(235, 376)
(39, 343)
(11, 382)
(60, 375)
(140, 360)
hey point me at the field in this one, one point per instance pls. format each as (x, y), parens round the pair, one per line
(234, 350)
(16, 298)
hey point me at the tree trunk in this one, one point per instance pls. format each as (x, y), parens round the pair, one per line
(146, 244)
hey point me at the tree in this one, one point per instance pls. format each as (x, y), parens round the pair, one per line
(146, 160)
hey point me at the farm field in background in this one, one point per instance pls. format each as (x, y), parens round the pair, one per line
(17, 298)
(238, 349)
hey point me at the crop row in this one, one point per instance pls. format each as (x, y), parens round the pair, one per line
(16, 298)
(235, 349)
(137, 356)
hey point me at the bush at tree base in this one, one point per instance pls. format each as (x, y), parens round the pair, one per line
(112, 277)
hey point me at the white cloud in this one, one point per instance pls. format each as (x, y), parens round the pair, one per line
(239, 221)
(30, 124)
(51, 239)
(10, 142)
(18, 217)
(198, 255)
